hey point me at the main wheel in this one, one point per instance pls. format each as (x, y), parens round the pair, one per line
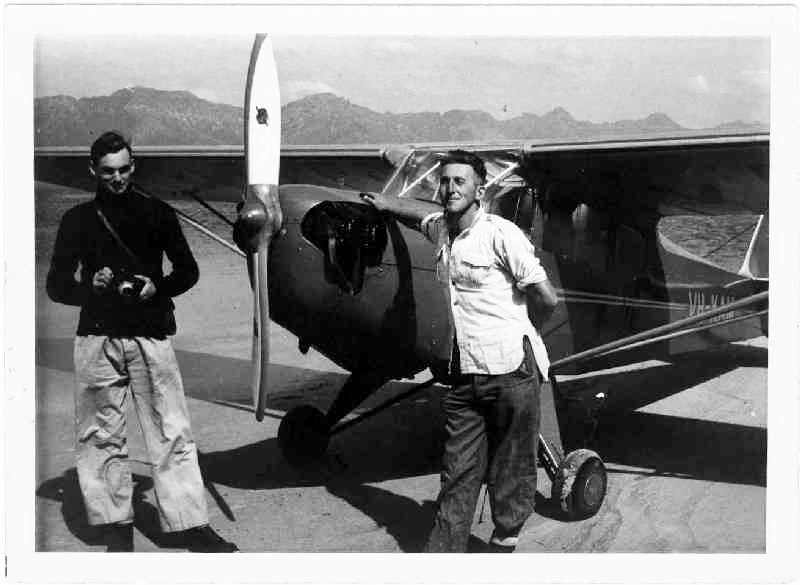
(580, 484)
(303, 434)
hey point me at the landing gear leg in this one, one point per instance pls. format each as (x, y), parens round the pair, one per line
(579, 480)
(358, 386)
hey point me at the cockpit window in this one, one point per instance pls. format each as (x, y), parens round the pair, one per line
(417, 177)
(417, 174)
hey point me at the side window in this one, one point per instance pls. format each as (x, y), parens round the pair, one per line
(629, 255)
(504, 203)
(514, 204)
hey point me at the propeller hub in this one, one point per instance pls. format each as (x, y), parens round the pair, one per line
(260, 218)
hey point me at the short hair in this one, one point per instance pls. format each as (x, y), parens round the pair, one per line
(107, 143)
(465, 157)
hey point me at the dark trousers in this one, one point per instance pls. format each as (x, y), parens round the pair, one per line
(493, 431)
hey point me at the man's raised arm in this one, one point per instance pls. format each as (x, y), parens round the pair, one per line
(409, 211)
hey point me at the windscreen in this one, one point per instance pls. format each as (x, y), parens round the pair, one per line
(417, 177)
(418, 172)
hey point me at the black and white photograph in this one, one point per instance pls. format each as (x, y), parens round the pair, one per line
(297, 282)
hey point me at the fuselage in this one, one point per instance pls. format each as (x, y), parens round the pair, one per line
(362, 289)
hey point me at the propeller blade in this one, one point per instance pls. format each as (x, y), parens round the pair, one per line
(260, 332)
(260, 217)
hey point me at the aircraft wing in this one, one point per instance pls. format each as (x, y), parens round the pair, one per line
(217, 173)
(691, 174)
(656, 175)
(640, 181)
(634, 181)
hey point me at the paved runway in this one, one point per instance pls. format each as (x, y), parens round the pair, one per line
(687, 472)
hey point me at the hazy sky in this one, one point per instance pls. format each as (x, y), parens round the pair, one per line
(697, 82)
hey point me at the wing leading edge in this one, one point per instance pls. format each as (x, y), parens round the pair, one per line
(218, 172)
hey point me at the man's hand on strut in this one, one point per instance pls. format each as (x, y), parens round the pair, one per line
(101, 281)
(409, 211)
(149, 289)
(377, 200)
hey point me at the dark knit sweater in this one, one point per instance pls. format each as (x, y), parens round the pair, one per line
(150, 228)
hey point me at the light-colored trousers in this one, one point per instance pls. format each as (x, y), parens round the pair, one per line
(108, 371)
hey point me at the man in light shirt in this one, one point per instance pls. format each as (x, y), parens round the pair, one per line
(496, 286)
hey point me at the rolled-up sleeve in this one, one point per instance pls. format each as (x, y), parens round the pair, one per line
(519, 257)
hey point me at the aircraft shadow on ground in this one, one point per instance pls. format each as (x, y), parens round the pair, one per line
(670, 445)
(406, 439)
(403, 441)
(692, 448)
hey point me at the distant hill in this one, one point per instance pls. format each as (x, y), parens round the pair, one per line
(148, 116)
(155, 117)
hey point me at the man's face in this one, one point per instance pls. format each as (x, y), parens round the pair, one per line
(459, 188)
(113, 171)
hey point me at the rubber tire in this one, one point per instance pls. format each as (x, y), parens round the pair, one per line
(588, 488)
(303, 435)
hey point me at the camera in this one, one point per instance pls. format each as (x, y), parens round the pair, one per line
(127, 285)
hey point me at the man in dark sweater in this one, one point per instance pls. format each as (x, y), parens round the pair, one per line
(115, 244)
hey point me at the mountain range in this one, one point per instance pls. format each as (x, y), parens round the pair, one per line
(155, 117)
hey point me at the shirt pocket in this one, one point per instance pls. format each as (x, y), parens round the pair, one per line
(472, 269)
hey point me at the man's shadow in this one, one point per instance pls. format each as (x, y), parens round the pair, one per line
(405, 520)
(66, 489)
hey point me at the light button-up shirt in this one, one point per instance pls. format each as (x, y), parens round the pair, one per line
(487, 268)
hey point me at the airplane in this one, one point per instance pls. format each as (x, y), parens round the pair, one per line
(361, 288)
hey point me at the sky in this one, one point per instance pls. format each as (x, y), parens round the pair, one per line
(698, 82)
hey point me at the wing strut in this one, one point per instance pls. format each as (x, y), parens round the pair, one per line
(197, 225)
(207, 232)
(664, 332)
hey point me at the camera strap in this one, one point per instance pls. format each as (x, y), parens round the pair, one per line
(116, 237)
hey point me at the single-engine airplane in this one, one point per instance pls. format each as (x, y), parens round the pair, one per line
(362, 289)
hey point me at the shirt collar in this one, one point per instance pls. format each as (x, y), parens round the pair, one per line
(480, 215)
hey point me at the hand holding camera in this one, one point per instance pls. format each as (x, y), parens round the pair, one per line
(131, 287)
(134, 287)
(102, 281)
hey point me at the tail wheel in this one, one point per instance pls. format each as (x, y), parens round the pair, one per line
(580, 484)
(303, 434)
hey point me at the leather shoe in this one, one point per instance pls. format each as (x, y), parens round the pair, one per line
(502, 542)
(119, 537)
(205, 539)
